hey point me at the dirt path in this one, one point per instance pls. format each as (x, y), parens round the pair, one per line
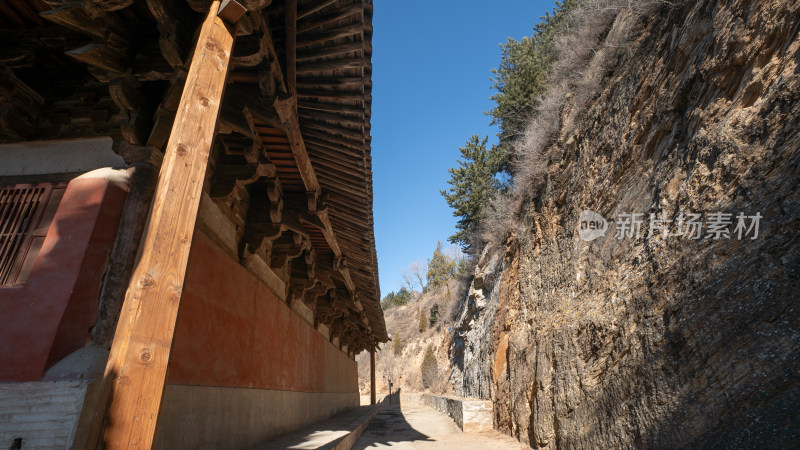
(421, 427)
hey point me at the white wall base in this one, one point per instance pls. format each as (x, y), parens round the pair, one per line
(207, 417)
(43, 413)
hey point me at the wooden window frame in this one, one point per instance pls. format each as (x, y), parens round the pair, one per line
(26, 213)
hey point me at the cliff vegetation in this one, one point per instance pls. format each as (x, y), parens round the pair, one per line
(635, 235)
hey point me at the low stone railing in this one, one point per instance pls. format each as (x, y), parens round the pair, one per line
(469, 414)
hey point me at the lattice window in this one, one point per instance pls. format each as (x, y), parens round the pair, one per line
(26, 211)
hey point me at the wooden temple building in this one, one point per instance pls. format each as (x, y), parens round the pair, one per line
(187, 256)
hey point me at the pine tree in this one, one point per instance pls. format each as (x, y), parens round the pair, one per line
(398, 298)
(520, 82)
(429, 368)
(472, 183)
(462, 265)
(434, 317)
(521, 79)
(440, 268)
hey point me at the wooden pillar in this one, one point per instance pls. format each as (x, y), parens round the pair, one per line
(135, 376)
(372, 377)
(126, 246)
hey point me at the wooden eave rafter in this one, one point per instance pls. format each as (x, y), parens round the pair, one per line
(309, 80)
(340, 165)
(286, 106)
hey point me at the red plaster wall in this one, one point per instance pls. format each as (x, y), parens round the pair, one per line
(50, 315)
(233, 331)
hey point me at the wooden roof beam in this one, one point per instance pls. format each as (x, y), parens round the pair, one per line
(340, 121)
(327, 93)
(333, 139)
(333, 64)
(325, 145)
(335, 161)
(284, 109)
(352, 30)
(285, 104)
(291, 46)
(23, 105)
(310, 80)
(330, 51)
(113, 5)
(255, 5)
(334, 130)
(334, 107)
(339, 14)
(102, 56)
(175, 39)
(318, 7)
(76, 18)
(287, 111)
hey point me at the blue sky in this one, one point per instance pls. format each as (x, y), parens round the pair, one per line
(432, 64)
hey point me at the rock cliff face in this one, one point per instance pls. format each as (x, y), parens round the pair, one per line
(653, 340)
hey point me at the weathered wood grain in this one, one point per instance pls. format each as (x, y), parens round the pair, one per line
(133, 384)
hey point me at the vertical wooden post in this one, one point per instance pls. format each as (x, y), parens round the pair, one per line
(126, 246)
(133, 385)
(372, 376)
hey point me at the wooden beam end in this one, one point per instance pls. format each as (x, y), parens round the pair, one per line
(231, 11)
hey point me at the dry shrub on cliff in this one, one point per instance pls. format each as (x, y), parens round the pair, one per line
(500, 220)
(397, 346)
(575, 76)
(588, 42)
(429, 368)
(422, 323)
(460, 290)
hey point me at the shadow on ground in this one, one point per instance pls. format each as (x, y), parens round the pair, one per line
(390, 426)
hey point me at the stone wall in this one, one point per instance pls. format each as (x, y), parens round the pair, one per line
(42, 415)
(446, 405)
(470, 415)
(657, 341)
